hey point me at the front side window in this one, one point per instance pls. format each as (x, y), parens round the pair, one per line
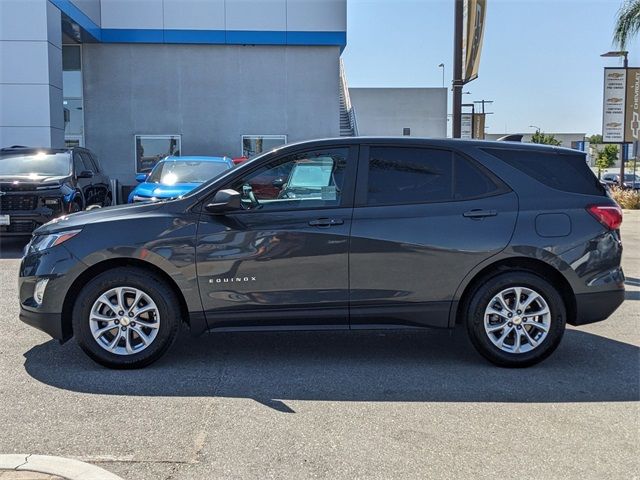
(300, 181)
(405, 175)
(150, 149)
(171, 172)
(88, 162)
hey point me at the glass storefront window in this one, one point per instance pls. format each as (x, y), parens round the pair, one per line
(72, 93)
(150, 149)
(72, 116)
(253, 145)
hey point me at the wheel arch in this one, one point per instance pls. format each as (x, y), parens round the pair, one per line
(100, 267)
(526, 264)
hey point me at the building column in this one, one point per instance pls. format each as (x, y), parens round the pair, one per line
(31, 110)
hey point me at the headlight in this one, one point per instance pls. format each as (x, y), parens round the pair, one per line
(42, 242)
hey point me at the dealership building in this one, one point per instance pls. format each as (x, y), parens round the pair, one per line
(134, 80)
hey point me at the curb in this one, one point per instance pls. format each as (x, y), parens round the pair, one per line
(59, 466)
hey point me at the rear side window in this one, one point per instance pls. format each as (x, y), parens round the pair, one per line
(562, 171)
(400, 175)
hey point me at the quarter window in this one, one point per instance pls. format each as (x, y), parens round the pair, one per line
(422, 175)
(563, 171)
(299, 181)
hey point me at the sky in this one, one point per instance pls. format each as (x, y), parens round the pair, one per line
(540, 62)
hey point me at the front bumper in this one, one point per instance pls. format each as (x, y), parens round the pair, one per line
(23, 223)
(61, 268)
(595, 307)
(49, 323)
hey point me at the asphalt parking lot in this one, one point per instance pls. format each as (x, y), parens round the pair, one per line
(331, 405)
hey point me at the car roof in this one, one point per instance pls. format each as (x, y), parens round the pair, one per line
(198, 158)
(433, 142)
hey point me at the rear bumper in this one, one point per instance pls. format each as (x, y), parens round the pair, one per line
(595, 307)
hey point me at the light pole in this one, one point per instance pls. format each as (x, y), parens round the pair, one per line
(536, 127)
(623, 151)
(442, 67)
(458, 81)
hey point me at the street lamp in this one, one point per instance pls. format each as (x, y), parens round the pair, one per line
(623, 151)
(442, 67)
(536, 127)
(622, 53)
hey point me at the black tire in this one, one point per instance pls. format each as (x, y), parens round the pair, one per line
(156, 288)
(75, 206)
(479, 301)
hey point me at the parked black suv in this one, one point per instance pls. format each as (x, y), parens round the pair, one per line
(513, 241)
(38, 184)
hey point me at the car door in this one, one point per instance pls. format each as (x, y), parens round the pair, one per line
(283, 259)
(423, 218)
(83, 184)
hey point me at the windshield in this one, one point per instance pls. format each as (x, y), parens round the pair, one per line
(172, 172)
(35, 164)
(630, 178)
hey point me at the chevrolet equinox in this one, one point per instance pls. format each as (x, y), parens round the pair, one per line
(511, 241)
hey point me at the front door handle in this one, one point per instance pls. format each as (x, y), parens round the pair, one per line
(479, 213)
(326, 222)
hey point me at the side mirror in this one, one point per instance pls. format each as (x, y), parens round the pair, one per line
(224, 201)
(278, 182)
(85, 174)
(141, 177)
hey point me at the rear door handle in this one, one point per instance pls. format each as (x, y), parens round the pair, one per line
(478, 213)
(326, 222)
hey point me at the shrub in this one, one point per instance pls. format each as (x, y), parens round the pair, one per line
(626, 198)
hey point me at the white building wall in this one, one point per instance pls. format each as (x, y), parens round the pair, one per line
(387, 111)
(31, 111)
(249, 15)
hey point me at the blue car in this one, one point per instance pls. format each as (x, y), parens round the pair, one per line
(175, 176)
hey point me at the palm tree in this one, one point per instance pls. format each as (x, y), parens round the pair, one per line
(628, 23)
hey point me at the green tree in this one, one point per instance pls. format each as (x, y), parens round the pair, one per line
(595, 139)
(627, 23)
(606, 158)
(540, 137)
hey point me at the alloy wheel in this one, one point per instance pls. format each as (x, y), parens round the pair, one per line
(517, 320)
(124, 320)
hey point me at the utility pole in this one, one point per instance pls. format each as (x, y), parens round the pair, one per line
(483, 102)
(458, 82)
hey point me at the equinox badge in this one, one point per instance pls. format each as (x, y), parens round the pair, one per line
(232, 279)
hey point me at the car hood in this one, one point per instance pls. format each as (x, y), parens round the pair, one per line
(163, 191)
(107, 214)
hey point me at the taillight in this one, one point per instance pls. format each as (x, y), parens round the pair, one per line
(608, 215)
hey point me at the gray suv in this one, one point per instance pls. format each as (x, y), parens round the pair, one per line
(510, 241)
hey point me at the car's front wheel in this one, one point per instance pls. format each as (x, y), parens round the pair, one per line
(516, 319)
(126, 318)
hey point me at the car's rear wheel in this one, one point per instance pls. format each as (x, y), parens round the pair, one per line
(126, 318)
(516, 319)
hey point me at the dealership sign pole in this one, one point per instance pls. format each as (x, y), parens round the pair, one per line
(621, 108)
(469, 19)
